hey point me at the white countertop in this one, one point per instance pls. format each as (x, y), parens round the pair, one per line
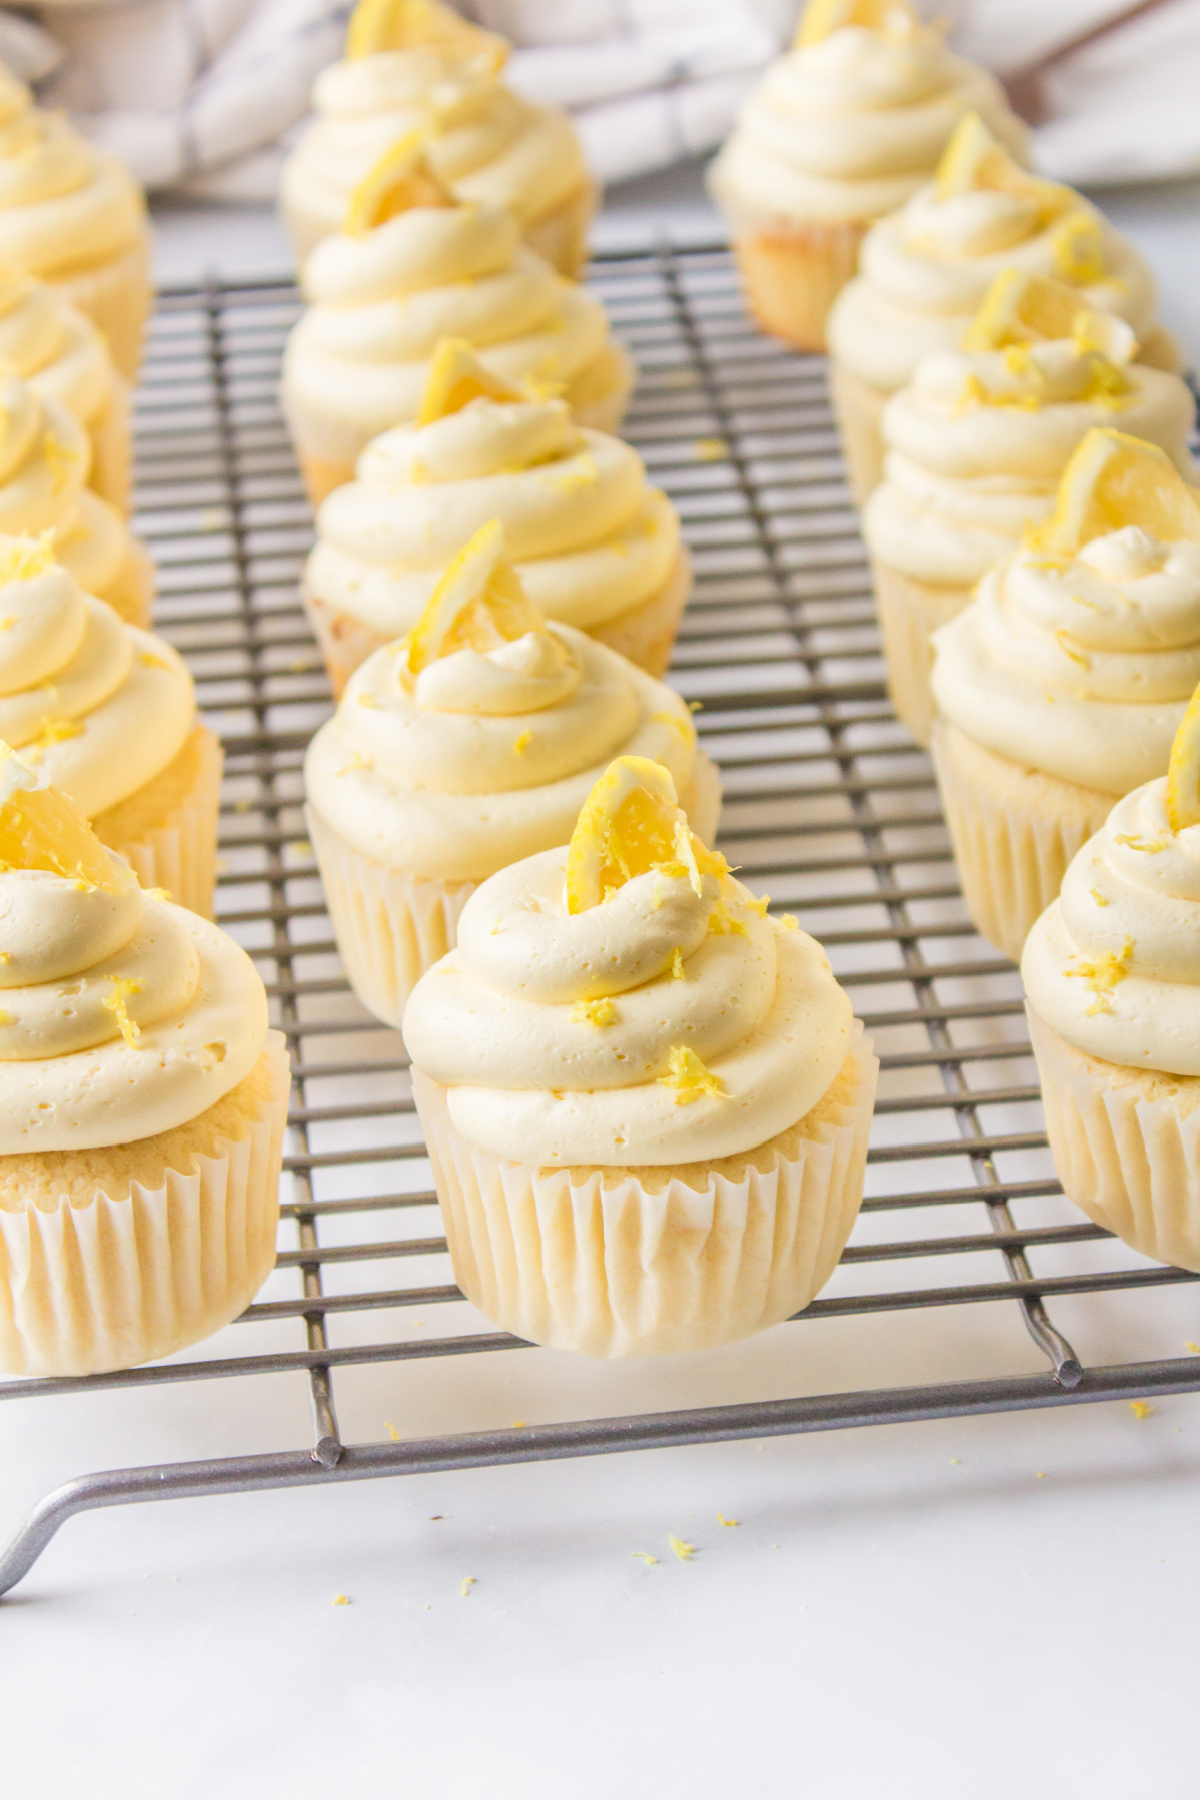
(970, 1608)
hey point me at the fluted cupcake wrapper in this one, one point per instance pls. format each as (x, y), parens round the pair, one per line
(858, 409)
(1131, 1162)
(180, 855)
(141, 1272)
(116, 296)
(131, 590)
(909, 614)
(561, 235)
(1012, 842)
(651, 1262)
(391, 926)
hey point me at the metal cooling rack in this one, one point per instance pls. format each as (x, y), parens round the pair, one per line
(829, 806)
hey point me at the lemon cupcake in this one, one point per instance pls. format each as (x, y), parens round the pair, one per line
(74, 217)
(646, 1103)
(410, 266)
(977, 445)
(1112, 979)
(142, 1105)
(59, 352)
(925, 271)
(1061, 687)
(594, 545)
(842, 131)
(108, 714)
(45, 456)
(465, 746)
(415, 63)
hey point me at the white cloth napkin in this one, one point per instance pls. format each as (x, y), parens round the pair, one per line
(204, 95)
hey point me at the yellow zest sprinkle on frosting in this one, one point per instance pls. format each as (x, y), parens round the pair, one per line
(594, 1012)
(358, 759)
(1151, 846)
(21, 558)
(1098, 897)
(678, 972)
(1078, 247)
(689, 1077)
(6, 1018)
(676, 721)
(1103, 974)
(722, 922)
(789, 922)
(52, 731)
(150, 661)
(1076, 656)
(759, 905)
(157, 893)
(60, 461)
(522, 743)
(115, 1002)
(584, 474)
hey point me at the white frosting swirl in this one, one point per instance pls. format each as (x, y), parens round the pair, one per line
(381, 302)
(488, 144)
(1081, 670)
(849, 127)
(924, 272)
(1114, 965)
(589, 537)
(532, 1077)
(979, 440)
(120, 1015)
(63, 205)
(487, 757)
(100, 707)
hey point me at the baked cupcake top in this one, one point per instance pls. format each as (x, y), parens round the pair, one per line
(1114, 964)
(45, 456)
(924, 272)
(850, 122)
(476, 739)
(63, 204)
(420, 65)
(625, 1000)
(1081, 650)
(413, 265)
(97, 706)
(53, 347)
(120, 1014)
(589, 537)
(978, 442)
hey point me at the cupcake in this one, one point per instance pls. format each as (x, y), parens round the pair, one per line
(1112, 980)
(410, 266)
(977, 445)
(108, 714)
(1061, 687)
(466, 745)
(142, 1105)
(646, 1103)
(594, 545)
(925, 271)
(45, 456)
(418, 64)
(843, 130)
(74, 217)
(63, 357)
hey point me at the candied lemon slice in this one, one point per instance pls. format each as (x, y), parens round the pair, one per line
(1020, 308)
(377, 26)
(1114, 480)
(1183, 772)
(632, 822)
(456, 377)
(41, 829)
(478, 604)
(823, 17)
(400, 180)
(974, 161)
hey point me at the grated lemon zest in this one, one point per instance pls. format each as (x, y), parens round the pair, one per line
(1103, 973)
(678, 972)
(1098, 897)
(684, 1552)
(594, 1012)
(689, 1077)
(522, 743)
(115, 1002)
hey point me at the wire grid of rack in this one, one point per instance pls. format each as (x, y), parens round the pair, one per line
(829, 805)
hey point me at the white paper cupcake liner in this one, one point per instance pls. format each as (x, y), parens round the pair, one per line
(909, 614)
(652, 1262)
(181, 853)
(1131, 1162)
(141, 1272)
(1011, 856)
(561, 235)
(858, 408)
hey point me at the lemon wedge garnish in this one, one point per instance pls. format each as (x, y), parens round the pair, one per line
(456, 377)
(1111, 481)
(41, 829)
(823, 17)
(377, 26)
(1020, 308)
(631, 823)
(1183, 771)
(974, 161)
(400, 180)
(478, 604)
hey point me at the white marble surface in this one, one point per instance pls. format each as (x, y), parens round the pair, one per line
(974, 1608)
